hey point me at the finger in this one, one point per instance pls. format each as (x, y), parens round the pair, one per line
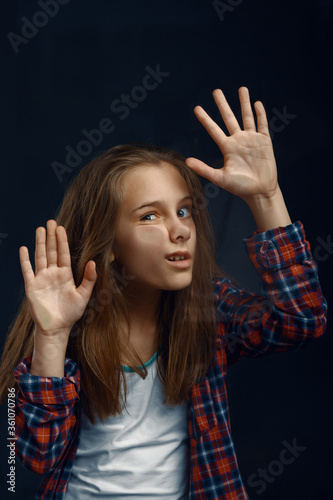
(247, 114)
(64, 258)
(51, 244)
(226, 112)
(212, 128)
(40, 254)
(261, 118)
(202, 169)
(27, 271)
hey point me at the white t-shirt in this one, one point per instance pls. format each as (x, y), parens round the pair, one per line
(143, 453)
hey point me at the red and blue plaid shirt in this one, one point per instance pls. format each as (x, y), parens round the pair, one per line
(289, 312)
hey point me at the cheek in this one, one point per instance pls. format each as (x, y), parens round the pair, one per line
(141, 241)
(148, 247)
(150, 238)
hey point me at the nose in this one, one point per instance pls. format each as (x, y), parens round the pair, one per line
(179, 229)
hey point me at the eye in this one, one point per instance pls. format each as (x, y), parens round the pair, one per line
(188, 208)
(148, 215)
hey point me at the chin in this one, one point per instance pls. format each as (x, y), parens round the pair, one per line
(179, 286)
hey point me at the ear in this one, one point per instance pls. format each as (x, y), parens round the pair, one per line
(112, 257)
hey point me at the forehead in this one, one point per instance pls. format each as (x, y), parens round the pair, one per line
(145, 181)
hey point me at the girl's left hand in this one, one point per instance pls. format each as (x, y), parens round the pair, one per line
(249, 166)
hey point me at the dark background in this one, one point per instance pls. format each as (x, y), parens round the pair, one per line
(64, 80)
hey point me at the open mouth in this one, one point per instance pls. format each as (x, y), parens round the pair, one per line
(176, 258)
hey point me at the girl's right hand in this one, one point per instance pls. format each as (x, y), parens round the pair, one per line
(55, 302)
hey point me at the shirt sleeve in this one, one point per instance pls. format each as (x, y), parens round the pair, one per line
(46, 415)
(290, 310)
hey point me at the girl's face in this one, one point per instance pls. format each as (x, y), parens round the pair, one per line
(146, 236)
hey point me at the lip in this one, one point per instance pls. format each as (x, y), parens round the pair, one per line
(180, 264)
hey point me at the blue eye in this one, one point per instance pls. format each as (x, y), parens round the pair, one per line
(144, 217)
(186, 208)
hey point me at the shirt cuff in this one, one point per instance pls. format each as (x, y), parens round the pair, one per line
(278, 248)
(48, 390)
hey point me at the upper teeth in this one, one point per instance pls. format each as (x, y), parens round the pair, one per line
(177, 258)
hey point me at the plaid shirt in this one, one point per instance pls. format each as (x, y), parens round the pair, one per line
(289, 312)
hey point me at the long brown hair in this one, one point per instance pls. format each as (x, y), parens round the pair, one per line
(187, 317)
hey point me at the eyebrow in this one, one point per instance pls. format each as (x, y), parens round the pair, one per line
(158, 203)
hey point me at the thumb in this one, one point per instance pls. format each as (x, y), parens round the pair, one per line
(89, 280)
(204, 170)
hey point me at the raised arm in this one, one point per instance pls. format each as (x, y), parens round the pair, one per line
(47, 416)
(289, 312)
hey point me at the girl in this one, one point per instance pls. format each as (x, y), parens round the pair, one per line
(121, 380)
